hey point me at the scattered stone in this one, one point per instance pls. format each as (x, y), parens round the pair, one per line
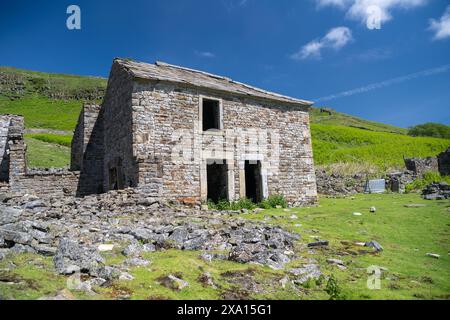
(293, 217)
(433, 255)
(357, 214)
(436, 191)
(206, 280)
(105, 247)
(132, 250)
(125, 276)
(374, 244)
(71, 257)
(306, 272)
(373, 209)
(258, 210)
(173, 282)
(337, 262)
(414, 205)
(318, 244)
(136, 262)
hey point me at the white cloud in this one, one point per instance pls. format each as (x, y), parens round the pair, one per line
(205, 54)
(336, 39)
(441, 28)
(386, 83)
(361, 9)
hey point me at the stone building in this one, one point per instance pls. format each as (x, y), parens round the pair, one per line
(188, 136)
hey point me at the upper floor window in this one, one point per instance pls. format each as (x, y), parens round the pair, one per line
(211, 114)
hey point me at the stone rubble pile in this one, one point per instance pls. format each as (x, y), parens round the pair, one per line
(72, 229)
(436, 191)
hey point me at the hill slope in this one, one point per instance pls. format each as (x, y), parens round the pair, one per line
(51, 103)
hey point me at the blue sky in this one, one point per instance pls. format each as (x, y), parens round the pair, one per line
(311, 49)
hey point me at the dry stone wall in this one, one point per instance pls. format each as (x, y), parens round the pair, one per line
(19, 179)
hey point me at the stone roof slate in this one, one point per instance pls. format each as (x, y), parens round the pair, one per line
(162, 71)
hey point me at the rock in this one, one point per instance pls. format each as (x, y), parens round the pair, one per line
(205, 207)
(71, 257)
(258, 210)
(357, 214)
(136, 262)
(306, 272)
(108, 273)
(293, 217)
(284, 281)
(337, 262)
(179, 235)
(61, 295)
(433, 255)
(9, 215)
(148, 247)
(373, 209)
(374, 244)
(20, 248)
(13, 234)
(173, 282)
(35, 204)
(414, 205)
(132, 250)
(105, 247)
(206, 280)
(318, 243)
(124, 276)
(45, 250)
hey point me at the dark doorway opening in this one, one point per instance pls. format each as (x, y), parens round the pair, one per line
(253, 183)
(217, 179)
(211, 114)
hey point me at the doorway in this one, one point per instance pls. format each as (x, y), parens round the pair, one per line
(253, 181)
(217, 180)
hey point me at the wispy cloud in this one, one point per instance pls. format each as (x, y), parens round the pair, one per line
(441, 27)
(375, 54)
(335, 39)
(205, 54)
(386, 83)
(234, 4)
(361, 9)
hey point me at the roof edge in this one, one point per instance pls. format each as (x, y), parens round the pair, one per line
(276, 96)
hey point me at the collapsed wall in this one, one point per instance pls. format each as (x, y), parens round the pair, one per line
(14, 170)
(444, 162)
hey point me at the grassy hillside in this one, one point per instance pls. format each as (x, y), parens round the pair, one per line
(381, 150)
(53, 102)
(342, 119)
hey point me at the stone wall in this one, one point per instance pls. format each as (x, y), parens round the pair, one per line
(422, 165)
(120, 167)
(41, 183)
(336, 184)
(87, 154)
(165, 114)
(4, 150)
(19, 179)
(444, 162)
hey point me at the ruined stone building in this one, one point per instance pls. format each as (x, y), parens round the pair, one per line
(185, 136)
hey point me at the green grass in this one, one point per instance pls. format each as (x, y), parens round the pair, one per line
(44, 113)
(342, 119)
(46, 155)
(334, 144)
(406, 234)
(51, 138)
